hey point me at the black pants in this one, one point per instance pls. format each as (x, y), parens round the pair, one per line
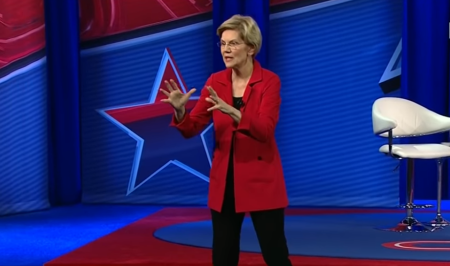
(227, 224)
(269, 227)
(268, 224)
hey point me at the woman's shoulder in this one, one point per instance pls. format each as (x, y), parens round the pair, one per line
(225, 75)
(224, 72)
(269, 75)
(222, 76)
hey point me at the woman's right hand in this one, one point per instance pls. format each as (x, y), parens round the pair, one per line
(175, 97)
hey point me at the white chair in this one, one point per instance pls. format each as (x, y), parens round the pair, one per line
(400, 118)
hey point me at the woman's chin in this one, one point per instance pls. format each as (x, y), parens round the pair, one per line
(229, 63)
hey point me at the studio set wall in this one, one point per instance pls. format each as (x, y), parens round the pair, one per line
(330, 55)
(23, 98)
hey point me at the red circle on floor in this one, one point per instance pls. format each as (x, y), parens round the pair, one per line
(415, 245)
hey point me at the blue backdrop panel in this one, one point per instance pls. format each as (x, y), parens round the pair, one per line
(330, 58)
(62, 36)
(123, 74)
(425, 76)
(257, 9)
(23, 146)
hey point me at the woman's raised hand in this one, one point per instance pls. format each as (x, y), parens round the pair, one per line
(218, 104)
(175, 96)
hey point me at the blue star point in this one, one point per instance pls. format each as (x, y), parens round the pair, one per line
(157, 144)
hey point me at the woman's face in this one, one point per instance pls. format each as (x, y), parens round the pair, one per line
(234, 51)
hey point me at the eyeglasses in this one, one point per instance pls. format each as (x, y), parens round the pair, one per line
(233, 45)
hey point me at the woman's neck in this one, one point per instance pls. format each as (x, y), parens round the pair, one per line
(244, 72)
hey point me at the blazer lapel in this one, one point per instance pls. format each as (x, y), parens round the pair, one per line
(224, 78)
(226, 90)
(255, 78)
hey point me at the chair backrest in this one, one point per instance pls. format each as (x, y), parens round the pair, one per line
(406, 118)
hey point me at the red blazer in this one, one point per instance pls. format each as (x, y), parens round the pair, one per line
(259, 181)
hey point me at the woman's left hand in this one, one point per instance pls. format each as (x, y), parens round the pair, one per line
(219, 104)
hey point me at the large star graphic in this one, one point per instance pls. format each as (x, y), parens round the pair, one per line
(390, 80)
(159, 145)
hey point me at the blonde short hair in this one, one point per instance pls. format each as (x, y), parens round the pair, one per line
(247, 28)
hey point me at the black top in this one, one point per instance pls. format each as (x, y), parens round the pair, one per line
(237, 102)
(229, 202)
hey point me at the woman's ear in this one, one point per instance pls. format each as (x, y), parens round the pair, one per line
(251, 51)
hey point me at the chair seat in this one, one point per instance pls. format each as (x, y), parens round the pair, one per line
(418, 151)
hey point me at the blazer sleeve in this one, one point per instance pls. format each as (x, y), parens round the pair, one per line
(261, 126)
(195, 121)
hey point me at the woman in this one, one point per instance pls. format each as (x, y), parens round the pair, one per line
(246, 173)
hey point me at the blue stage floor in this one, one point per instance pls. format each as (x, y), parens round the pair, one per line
(336, 235)
(37, 237)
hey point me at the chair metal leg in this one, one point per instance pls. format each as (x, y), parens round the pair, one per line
(439, 221)
(409, 223)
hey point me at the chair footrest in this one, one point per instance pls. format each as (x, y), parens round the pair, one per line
(414, 206)
(409, 224)
(439, 221)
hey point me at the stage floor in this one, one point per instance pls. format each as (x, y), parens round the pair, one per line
(336, 235)
(181, 236)
(317, 237)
